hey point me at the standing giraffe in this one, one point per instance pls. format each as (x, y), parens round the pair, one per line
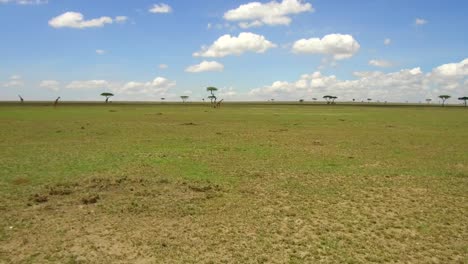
(56, 101)
(21, 98)
(218, 104)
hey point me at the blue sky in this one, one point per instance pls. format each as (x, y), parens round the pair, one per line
(283, 49)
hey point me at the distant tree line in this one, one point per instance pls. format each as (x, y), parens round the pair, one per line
(330, 99)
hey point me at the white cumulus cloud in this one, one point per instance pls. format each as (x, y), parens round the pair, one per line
(227, 93)
(452, 70)
(232, 45)
(163, 66)
(14, 81)
(121, 19)
(158, 86)
(338, 46)
(50, 85)
(380, 63)
(387, 41)
(76, 20)
(407, 84)
(131, 90)
(161, 8)
(91, 84)
(420, 21)
(206, 66)
(273, 13)
(25, 2)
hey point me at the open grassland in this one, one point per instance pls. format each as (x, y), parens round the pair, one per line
(242, 184)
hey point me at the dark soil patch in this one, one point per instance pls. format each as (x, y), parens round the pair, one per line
(60, 191)
(92, 199)
(38, 198)
(318, 143)
(204, 188)
(200, 189)
(280, 130)
(21, 181)
(163, 181)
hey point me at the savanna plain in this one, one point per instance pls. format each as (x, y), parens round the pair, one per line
(246, 183)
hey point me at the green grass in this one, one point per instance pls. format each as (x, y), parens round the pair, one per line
(248, 183)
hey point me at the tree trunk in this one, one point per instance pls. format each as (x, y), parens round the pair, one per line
(107, 100)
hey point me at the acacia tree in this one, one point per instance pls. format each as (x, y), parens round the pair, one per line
(444, 98)
(212, 97)
(184, 98)
(162, 98)
(369, 100)
(428, 100)
(301, 100)
(464, 98)
(330, 99)
(107, 95)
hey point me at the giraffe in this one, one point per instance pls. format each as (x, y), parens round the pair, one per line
(218, 104)
(56, 101)
(21, 98)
